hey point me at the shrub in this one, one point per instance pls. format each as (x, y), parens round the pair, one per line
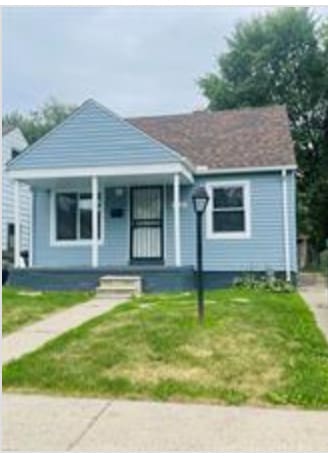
(268, 282)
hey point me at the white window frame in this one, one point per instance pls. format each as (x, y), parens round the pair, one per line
(54, 242)
(246, 233)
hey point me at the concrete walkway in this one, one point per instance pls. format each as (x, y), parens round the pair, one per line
(33, 336)
(316, 297)
(42, 424)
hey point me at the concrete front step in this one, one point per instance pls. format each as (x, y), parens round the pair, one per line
(126, 278)
(114, 286)
(108, 290)
(119, 286)
(105, 294)
(121, 281)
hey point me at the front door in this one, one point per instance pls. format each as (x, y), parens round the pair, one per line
(146, 211)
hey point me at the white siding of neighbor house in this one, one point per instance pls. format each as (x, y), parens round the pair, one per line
(14, 140)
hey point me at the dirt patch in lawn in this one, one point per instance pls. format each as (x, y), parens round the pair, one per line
(155, 372)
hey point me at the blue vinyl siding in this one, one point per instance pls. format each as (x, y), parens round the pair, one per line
(115, 250)
(264, 250)
(93, 136)
(43, 253)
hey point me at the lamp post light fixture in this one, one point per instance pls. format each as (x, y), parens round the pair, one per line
(200, 199)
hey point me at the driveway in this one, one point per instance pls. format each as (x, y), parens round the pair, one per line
(41, 423)
(316, 296)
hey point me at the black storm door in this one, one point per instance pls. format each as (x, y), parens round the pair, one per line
(146, 208)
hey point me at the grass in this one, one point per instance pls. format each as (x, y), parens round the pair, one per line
(253, 348)
(20, 308)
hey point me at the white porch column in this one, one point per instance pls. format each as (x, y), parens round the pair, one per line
(286, 224)
(95, 228)
(17, 225)
(176, 204)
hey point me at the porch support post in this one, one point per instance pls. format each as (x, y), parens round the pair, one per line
(17, 225)
(176, 204)
(95, 228)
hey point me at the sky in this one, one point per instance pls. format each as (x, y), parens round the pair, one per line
(134, 60)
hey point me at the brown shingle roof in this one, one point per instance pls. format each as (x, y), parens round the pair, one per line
(250, 137)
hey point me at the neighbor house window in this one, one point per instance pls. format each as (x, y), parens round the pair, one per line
(229, 210)
(73, 216)
(11, 236)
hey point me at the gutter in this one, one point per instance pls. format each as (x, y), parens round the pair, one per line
(202, 171)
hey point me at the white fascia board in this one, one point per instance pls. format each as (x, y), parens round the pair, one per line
(250, 169)
(188, 175)
(135, 170)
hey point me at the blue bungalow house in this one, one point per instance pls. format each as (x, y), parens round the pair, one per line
(113, 196)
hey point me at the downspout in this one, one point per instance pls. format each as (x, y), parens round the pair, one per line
(177, 206)
(95, 227)
(286, 224)
(31, 230)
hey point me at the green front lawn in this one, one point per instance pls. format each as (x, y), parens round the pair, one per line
(255, 347)
(21, 307)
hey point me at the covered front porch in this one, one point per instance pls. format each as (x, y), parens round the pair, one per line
(105, 217)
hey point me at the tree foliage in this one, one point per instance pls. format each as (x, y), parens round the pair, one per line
(38, 122)
(282, 58)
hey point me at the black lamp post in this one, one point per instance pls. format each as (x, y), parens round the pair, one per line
(200, 199)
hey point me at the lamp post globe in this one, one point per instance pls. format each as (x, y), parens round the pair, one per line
(200, 199)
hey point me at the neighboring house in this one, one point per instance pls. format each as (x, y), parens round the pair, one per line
(13, 142)
(114, 195)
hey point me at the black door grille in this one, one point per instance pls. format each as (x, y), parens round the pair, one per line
(146, 208)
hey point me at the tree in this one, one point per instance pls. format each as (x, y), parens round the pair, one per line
(38, 122)
(282, 58)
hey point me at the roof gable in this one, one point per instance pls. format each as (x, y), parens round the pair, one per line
(94, 136)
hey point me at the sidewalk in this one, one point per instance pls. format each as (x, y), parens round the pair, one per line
(316, 297)
(40, 423)
(35, 335)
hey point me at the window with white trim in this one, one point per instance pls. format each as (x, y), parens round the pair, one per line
(229, 210)
(73, 216)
